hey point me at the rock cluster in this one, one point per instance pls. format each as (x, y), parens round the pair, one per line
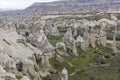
(91, 37)
(21, 59)
(25, 50)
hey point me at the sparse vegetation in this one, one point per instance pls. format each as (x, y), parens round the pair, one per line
(85, 66)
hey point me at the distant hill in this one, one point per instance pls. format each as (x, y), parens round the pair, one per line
(73, 6)
(65, 6)
(91, 1)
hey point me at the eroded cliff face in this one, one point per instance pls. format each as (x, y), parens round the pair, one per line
(19, 59)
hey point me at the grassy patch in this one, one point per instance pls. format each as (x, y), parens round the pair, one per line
(54, 39)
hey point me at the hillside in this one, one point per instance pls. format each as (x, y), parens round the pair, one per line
(64, 7)
(73, 6)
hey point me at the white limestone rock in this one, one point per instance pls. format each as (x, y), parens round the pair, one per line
(25, 78)
(81, 42)
(75, 29)
(92, 40)
(61, 45)
(41, 42)
(2, 69)
(55, 32)
(70, 42)
(86, 37)
(114, 46)
(103, 38)
(64, 74)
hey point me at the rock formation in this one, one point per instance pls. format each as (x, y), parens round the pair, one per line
(114, 46)
(55, 32)
(86, 37)
(61, 45)
(81, 42)
(92, 40)
(63, 75)
(103, 37)
(41, 42)
(75, 29)
(69, 41)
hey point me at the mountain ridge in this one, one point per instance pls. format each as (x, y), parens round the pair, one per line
(64, 7)
(73, 6)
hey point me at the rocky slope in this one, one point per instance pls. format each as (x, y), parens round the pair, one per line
(63, 7)
(72, 6)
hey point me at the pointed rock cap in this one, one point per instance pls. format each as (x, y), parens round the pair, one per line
(113, 17)
(64, 71)
(79, 39)
(76, 25)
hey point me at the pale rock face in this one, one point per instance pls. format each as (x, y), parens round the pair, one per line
(22, 28)
(11, 76)
(48, 26)
(1, 69)
(45, 65)
(103, 38)
(8, 63)
(80, 39)
(75, 29)
(61, 45)
(28, 62)
(114, 47)
(92, 23)
(64, 74)
(98, 39)
(25, 78)
(86, 37)
(106, 23)
(37, 30)
(83, 23)
(45, 61)
(113, 17)
(12, 53)
(12, 48)
(102, 22)
(37, 51)
(41, 42)
(118, 24)
(55, 32)
(2, 79)
(74, 49)
(92, 40)
(28, 69)
(81, 42)
(69, 41)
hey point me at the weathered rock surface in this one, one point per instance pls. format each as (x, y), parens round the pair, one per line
(70, 42)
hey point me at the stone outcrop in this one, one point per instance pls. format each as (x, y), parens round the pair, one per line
(61, 45)
(55, 32)
(63, 75)
(75, 29)
(103, 37)
(16, 58)
(41, 42)
(69, 41)
(81, 42)
(114, 45)
(86, 37)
